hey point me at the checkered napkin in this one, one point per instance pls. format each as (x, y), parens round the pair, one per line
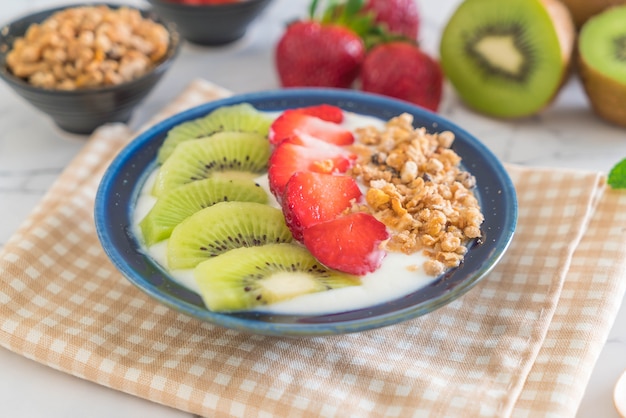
(522, 343)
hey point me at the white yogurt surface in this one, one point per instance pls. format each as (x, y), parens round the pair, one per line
(399, 274)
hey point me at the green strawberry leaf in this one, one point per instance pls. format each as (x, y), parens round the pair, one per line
(617, 175)
(351, 14)
(353, 7)
(312, 8)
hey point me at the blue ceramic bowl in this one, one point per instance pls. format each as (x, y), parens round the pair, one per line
(121, 183)
(82, 111)
(214, 24)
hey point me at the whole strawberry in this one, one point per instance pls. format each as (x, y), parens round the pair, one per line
(401, 17)
(318, 55)
(323, 52)
(402, 70)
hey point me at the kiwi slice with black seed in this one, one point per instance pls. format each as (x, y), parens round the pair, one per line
(508, 58)
(173, 207)
(235, 154)
(602, 63)
(223, 227)
(241, 117)
(248, 277)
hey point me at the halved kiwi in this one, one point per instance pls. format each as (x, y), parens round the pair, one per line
(508, 58)
(602, 63)
(241, 117)
(223, 227)
(178, 204)
(244, 278)
(240, 154)
(582, 10)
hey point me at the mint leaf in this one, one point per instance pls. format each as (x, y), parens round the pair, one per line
(617, 175)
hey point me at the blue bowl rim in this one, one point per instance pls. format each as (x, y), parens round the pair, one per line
(206, 7)
(173, 51)
(495, 250)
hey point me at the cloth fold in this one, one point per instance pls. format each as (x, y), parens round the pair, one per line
(522, 343)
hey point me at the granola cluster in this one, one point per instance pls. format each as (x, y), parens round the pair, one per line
(418, 189)
(88, 46)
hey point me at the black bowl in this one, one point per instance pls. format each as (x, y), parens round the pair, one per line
(82, 111)
(217, 24)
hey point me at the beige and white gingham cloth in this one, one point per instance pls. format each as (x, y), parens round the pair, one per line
(522, 343)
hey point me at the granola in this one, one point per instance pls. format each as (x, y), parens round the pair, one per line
(417, 187)
(88, 46)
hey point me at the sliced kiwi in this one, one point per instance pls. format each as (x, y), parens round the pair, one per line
(223, 227)
(508, 58)
(241, 117)
(239, 154)
(602, 63)
(174, 206)
(244, 278)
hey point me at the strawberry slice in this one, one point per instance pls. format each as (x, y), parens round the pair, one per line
(310, 198)
(305, 153)
(349, 243)
(324, 111)
(294, 122)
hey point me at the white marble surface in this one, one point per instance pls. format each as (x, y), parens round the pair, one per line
(33, 153)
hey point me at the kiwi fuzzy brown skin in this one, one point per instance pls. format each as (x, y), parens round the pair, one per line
(605, 89)
(503, 93)
(582, 10)
(566, 32)
(606, 96)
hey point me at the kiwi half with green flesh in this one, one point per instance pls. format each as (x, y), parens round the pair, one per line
(241, 117)
(602, 63)
(582, 10)
(245, 278)
(508, 58)
(176, 205)
(238, 154)
(223, 227)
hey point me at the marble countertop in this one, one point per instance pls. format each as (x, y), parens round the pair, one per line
(33, 152)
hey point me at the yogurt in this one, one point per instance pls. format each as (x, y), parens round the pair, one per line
(399, 274)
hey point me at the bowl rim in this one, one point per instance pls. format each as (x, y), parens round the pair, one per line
(173, 50)
(236, 5)
(249, 324)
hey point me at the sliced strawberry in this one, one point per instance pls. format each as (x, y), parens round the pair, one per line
(312, 141)
(305, 153)
(327, 112)
(310, 198)
(348, 243)
(295, 122)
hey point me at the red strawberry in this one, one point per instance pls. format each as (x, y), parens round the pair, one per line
(297, 122)
(402, 70)
(401, 17)
(325, 50)
(310, 198)
(348, 243)
(313, 54)
(305, 153)
(327, 112)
